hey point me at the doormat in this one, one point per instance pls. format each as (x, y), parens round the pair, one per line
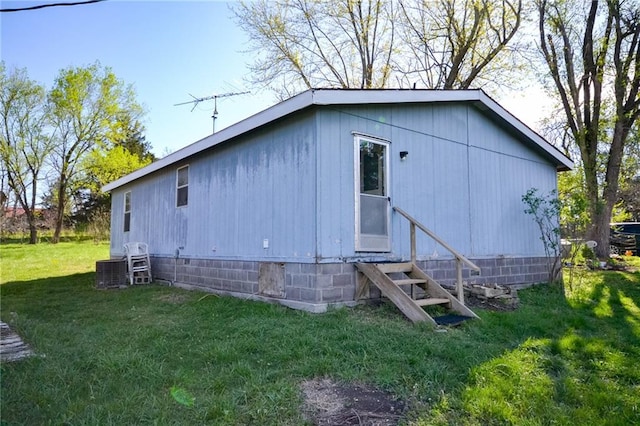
(451, 320)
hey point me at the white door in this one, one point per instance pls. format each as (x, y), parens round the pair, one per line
(372, 194)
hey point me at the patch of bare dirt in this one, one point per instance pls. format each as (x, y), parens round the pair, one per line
(327, 403)
(489, 304)
(622, 266)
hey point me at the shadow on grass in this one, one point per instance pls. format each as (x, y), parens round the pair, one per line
(582, 369)
(69, 298)
(113, 357)
(39, 291)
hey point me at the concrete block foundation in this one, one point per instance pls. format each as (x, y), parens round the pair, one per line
(315, 287)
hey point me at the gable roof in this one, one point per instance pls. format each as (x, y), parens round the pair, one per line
(355, 97)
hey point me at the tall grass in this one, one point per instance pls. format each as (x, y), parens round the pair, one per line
(155, 354)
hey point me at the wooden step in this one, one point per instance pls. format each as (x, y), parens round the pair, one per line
(432, 301)
(376, 274)
(389, 268)
(409, 281)
(394, 293)
(436, 290)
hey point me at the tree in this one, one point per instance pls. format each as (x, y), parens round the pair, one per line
(107, 162)
(629, 198)
(629, 194)
(574, 219)
(330, 43)
(446, 44)
(592, 52)
(103, 165)
(132, 139)
(87, 105)
(24, 146)
(453, 44)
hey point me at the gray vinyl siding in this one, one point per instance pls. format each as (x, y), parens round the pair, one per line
(464, 179)
(336, 185)
(259, 187)
(155, 219)
(292, 182)
(501, 170)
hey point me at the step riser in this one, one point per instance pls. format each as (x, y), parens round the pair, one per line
(409, 281)
(433, 301)
(389, 268)
(394, 293)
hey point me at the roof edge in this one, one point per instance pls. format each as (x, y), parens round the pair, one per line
(344, 97)
(563, 163)
(279, 110)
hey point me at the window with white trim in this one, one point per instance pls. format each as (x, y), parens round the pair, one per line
(182, 186)
(127, 211)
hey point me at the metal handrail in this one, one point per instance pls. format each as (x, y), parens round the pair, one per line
(460, 259)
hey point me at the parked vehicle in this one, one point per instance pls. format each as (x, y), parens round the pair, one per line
(624, 237)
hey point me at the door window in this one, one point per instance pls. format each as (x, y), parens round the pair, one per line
(372, 202)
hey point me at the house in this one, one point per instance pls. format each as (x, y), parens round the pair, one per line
(287, 204)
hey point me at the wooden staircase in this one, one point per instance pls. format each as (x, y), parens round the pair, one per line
(392, 288)
(378, 274)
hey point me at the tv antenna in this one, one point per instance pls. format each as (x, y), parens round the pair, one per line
(214, 116)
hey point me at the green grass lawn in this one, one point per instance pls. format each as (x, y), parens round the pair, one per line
(161, 355)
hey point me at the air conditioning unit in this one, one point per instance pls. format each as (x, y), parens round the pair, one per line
(111, 273)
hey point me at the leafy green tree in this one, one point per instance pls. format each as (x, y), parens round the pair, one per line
(574, 217)
(629, 195)
(592, 53)
(105, 166)
(132, 139)
(24, 144)
(87, 105)
(629, 198)
(106, 163)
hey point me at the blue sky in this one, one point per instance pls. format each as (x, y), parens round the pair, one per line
(166, 50)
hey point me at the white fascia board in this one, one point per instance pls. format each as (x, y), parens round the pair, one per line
(348, 97)
(282, 109)
(390, 96)
(527, 132)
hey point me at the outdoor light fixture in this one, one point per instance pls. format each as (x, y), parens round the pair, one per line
(404, 155)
